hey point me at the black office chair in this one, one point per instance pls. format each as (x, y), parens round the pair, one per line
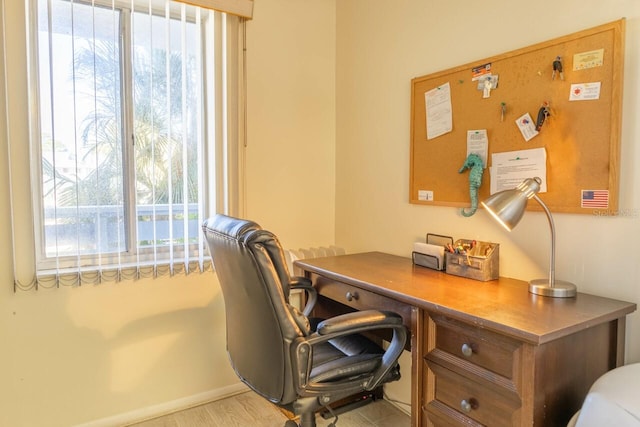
(298, 363)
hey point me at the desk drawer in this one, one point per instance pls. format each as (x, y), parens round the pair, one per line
(466, 402)
(361, 299)
(486, 349)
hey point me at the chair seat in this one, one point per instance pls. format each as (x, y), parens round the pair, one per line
(330, 363)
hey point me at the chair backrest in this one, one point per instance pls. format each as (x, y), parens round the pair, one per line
(261, 324)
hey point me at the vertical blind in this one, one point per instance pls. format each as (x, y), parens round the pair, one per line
(134, 138)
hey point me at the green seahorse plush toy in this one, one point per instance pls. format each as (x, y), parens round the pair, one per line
(473, 162)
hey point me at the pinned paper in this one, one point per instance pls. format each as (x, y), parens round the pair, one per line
(591, 59)
(425, 195)
(478, 143)
(438, 106)
(479, 71)
(527, 126)
(510, 168)
(584, 91)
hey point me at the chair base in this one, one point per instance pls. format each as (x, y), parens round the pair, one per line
(352, 402)
(308, 419)
(338, 407)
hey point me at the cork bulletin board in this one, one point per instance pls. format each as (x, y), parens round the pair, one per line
(580, 136)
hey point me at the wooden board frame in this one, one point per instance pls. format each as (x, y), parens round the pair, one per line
(581, 138)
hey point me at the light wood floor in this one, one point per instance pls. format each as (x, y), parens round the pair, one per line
(250, 410)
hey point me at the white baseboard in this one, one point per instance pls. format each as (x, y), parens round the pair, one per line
(167, 407)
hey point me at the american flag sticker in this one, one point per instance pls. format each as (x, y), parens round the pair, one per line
(594, 199)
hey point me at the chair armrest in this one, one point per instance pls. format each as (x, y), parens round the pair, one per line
(354, 323)
(304, 284)
(350, 322)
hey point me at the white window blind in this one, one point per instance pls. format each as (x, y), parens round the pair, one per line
(135, 120)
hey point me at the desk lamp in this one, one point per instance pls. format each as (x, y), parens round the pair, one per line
(507, 207)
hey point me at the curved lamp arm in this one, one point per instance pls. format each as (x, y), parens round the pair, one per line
(552, 257)
(507, 207)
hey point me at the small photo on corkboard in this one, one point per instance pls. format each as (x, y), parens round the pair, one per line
(575, 79)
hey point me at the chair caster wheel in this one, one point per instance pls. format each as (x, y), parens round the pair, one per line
(290, 423)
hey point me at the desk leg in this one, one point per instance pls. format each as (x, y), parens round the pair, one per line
(620, 325)
(417, 366)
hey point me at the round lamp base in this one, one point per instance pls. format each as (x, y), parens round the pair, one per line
(560, 289)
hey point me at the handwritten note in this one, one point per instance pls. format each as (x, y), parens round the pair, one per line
(439, 118)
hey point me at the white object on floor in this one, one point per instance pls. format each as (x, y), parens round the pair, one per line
(613, 400)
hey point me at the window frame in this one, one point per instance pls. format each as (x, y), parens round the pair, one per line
(132, 254)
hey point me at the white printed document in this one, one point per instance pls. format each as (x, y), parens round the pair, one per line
(478, 143)
(510, 168)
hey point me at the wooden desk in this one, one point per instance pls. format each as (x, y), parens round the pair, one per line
(483, 353)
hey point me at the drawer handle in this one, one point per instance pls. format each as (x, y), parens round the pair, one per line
(467, 350)
(352, 296)
(468, 405)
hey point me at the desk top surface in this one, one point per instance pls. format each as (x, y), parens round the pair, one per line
(504, 305)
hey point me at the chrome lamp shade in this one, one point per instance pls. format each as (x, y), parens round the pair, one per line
(507, 207)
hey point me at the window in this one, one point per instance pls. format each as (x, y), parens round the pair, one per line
(130, 146)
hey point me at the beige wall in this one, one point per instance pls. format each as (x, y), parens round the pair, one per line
(381, 47)
(291, 126)
(113, 352)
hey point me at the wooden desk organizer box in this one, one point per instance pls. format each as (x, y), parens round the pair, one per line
(479, 263)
